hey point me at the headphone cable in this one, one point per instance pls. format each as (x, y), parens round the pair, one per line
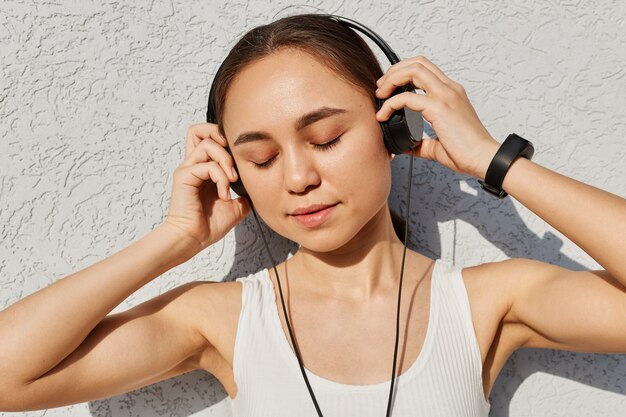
(395, 352)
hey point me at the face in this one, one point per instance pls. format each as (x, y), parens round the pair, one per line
(301, 135)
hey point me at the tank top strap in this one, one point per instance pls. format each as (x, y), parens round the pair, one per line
(254, 328)
(460, 291)
(457, 325)
(256, 288)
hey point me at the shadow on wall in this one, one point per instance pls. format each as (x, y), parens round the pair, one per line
(437, 197)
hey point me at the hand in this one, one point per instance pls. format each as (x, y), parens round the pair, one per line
(463, 144)
(200, 205)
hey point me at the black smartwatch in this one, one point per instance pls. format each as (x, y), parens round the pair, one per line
(513, 147)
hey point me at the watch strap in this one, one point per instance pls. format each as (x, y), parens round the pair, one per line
(513, 147)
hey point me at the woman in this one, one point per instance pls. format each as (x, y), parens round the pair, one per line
(341, 285)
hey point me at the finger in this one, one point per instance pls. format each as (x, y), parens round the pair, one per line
(428, 64)
(242, 206)
(196, 133)
(208, 150)
(417, 74)
(416, 102)
(424, 149)
(434, 69)
(205, 171)
(219, 178)
(393, 69)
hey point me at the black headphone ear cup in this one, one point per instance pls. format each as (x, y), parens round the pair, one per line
(403, 130)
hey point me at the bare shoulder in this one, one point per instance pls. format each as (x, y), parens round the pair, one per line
(497, 283)
(489, 291)
(502, 292)
(215, 295)
(492, 289)
(214, 308)
(559, 308)
(509, 279)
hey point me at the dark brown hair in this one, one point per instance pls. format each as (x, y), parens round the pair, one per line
(325, 39)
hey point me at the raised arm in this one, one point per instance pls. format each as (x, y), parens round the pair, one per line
(564, 309)
(570, 310)
(58, 346)
(592, 218)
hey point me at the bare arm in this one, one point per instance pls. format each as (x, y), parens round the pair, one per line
(577, 310)
(564, 309)
(592, 218)
(58, 346)
(44, 328)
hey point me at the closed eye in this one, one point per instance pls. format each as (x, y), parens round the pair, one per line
(330, 144)
(323, 146)
(265, 164)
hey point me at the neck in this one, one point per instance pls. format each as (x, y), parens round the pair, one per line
(367, 265)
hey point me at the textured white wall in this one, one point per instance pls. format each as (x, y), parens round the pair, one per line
(96, 97)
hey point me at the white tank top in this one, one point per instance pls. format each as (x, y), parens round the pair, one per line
(444, 380)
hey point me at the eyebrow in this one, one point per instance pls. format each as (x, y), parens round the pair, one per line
(302, 122)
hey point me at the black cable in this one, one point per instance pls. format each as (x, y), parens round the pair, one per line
(306, 380)
(406, 234)
(395, 352)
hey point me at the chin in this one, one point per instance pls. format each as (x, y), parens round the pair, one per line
(320, 239)
(327, 238)
(322, 243)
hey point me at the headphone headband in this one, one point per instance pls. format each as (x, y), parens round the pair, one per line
(384, 46)
(211, 117)
(402, 131)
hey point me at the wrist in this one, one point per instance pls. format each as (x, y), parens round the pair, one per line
(484, 159)
(183, 247)
(514, 146)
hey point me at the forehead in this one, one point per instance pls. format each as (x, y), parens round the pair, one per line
(277, 89)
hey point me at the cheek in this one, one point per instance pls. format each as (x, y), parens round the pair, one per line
(370, 181)
(265, 189)
(369, 170)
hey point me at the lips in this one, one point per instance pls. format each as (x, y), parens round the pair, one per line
(311, 209)
(314, 215)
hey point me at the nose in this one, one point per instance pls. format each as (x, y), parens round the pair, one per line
(300, 173)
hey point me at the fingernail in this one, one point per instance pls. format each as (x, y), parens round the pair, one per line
(234, 171)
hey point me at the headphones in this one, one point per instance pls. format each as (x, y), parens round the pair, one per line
(401, 132)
